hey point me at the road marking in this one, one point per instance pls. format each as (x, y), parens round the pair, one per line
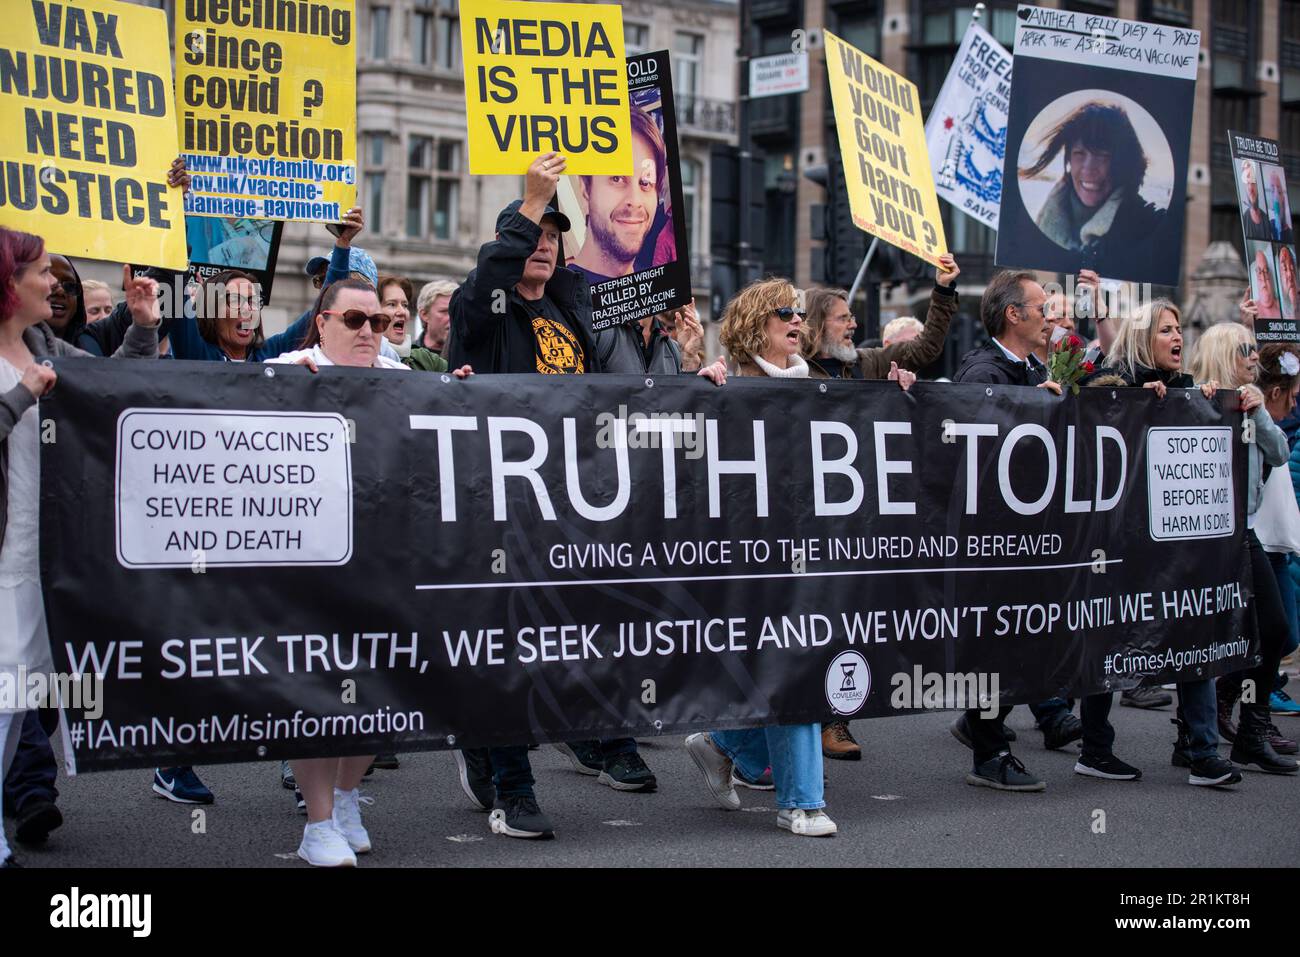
(622, 823)
(464, 838)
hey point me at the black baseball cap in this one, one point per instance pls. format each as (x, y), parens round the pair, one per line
(551, 212)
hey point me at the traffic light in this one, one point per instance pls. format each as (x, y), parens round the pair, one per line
(833, 222)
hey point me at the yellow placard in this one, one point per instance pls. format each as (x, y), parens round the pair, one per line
(882, 144)
(542, 77)
(90, 131)
(266, 94)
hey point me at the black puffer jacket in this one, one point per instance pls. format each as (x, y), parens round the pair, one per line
(988, 363)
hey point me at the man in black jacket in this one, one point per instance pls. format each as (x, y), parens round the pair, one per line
(517, 312)
(1012, 312)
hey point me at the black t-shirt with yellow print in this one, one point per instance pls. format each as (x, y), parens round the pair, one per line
(557, 347)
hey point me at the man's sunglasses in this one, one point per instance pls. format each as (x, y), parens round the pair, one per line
(787, 313)
(354, 319)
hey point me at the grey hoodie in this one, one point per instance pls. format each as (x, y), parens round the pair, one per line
(139, 343)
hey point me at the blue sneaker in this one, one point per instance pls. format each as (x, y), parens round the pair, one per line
(181, 785)
(1279, 702)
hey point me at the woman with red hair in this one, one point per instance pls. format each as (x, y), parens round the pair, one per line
(26, 284)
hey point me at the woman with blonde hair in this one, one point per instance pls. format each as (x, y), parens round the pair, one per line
(1228, 350)
(1148, 353)
(761, 331)
(1148, 349)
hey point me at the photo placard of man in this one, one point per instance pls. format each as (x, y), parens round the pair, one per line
(620, 211)
(1253, 218)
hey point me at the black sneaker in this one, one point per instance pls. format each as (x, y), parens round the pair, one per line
(520, 817)
(10, 862)
(1066, 729)
(387, 762)
(627, 772)
(763, 782)
(475, 767)
(1004, 773)
(35, 821)
(299, 800)
(287, 780)
(1106, 766)
(1146, 698)
(1213, 771)
(583, 755)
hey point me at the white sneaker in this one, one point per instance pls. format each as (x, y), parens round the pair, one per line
(323, 845)
(806, 823)
(347, 821)
(716, 768)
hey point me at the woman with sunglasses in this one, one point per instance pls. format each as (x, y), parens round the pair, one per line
(1227, 353)
(761, 331)
(347, 331)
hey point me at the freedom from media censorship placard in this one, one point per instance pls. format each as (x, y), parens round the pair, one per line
(89, 131)
(882, 144)
(267, 99)
(542, 77)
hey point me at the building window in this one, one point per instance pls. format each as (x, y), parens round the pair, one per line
(688, 52)
(372, 194)
(690, 172)
(449, 34)
(1233, 63)
(636, 38)
(379, 33)
(860, 28)
(422, 37)
(433, 188)
(1177, 13)
(940, 33)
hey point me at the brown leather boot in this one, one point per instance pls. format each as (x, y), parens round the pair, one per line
(838, 743)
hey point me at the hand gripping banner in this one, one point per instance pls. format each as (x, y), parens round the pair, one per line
(267, 563)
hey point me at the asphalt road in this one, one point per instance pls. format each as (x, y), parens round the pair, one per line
(905, 804)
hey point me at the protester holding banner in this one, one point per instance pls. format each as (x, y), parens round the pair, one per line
(516, 312)
(828, 345)
(761, 331)
(1226, 353)
(1012, 310)
(347, 330)
(27, 284)
(1148, 353)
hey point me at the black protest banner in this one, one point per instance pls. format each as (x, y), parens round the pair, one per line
(267, 563)
(90, 131)
(629, 237)
(1098, 130)
(1269, 241)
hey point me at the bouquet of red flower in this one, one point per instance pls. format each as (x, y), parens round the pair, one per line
(1066, 363)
